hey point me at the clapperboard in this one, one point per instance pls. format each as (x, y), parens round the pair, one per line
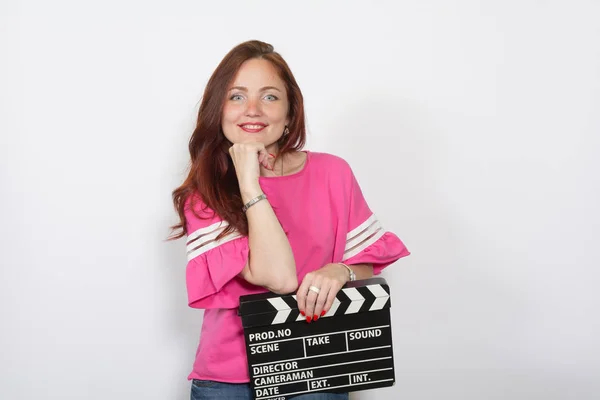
(347, 350)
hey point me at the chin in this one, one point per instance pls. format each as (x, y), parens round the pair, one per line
(257, 138)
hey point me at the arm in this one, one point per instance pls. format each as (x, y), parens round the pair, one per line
(270, 261)
(362, 271)
(329, 279)
(362, 244)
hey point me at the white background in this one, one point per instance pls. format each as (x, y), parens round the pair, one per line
(472, 126)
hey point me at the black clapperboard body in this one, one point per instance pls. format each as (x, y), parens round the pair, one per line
(347, 350)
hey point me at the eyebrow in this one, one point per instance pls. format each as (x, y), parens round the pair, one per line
(245, 89)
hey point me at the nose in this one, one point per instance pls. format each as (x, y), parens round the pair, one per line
(253, 108)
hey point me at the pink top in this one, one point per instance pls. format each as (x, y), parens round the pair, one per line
(326, 219)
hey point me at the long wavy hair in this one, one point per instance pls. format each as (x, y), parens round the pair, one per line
(211, 173)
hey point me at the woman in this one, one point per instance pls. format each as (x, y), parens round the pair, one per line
(261, 214)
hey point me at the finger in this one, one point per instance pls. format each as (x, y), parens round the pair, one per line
(321, 300)
(267, 165)
(330, 299)
(311, 297)
(301, 300)
(262, 159)
(302, 292)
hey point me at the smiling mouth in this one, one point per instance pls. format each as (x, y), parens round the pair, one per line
(252, 128)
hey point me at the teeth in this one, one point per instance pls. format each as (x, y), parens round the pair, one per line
(253, 126)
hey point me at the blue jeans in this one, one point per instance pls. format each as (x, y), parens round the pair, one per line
(211, 390)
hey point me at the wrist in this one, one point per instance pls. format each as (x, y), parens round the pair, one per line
(250, 191)
(349, 272)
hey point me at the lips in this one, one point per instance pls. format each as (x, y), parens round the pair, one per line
(252, 127)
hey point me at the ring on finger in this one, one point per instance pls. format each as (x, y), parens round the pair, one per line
(314, 289)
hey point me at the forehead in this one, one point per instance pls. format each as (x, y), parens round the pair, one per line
(256, 73)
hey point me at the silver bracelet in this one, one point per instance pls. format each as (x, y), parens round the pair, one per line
(352, 274)
(253, 202)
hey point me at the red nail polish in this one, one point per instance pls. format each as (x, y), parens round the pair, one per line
(323, 313)
(316, 317)
(308, 319)
(303, 313)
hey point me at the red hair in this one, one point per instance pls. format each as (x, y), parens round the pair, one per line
(211, 172)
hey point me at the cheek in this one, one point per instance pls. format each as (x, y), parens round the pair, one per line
(228, 122)
(230, 114)
(279, 113)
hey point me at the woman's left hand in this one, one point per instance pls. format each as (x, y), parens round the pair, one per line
(327, 281)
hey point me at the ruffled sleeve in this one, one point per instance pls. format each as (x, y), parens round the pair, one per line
(214, 265)
(366, 240)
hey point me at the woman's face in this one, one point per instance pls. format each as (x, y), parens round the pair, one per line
(256, 105)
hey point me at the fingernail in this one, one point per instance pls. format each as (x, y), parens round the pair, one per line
(316, 317)
(323, 313)
(308, 319)
(303, 313)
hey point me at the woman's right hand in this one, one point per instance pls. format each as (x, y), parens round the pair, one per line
(247, 158)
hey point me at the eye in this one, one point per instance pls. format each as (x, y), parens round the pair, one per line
(236, 97)
(271, 97)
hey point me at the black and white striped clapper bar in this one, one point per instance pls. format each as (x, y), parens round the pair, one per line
(347, 350)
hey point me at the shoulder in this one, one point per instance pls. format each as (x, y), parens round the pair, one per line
(195, 205)
(199, 216)
(330, 163)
